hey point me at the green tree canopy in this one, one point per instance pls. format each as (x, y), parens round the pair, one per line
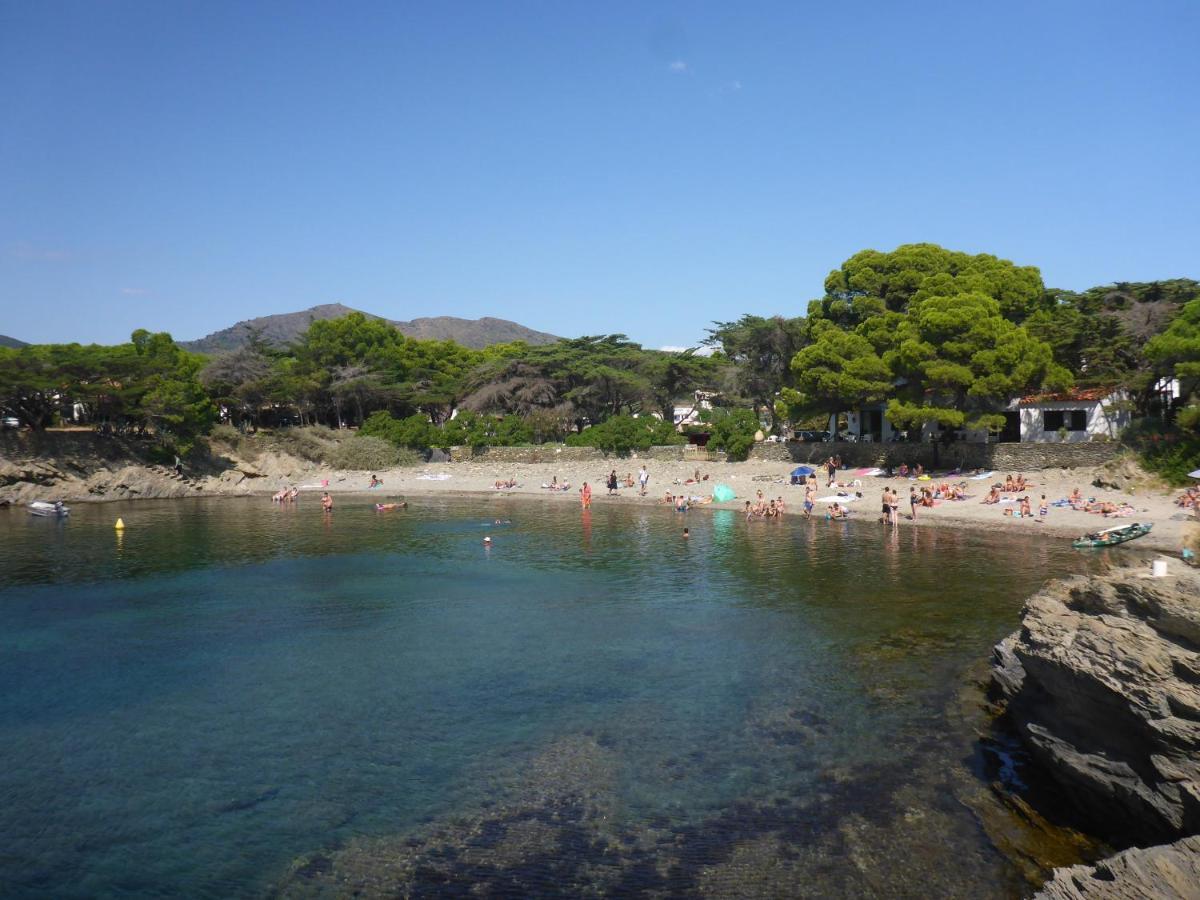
(761, 351)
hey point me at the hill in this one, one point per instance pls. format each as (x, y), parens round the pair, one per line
(286, 327)
(6, 341)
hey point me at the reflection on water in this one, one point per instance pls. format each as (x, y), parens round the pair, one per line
(233, 696)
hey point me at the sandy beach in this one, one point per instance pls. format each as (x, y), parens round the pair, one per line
(1171, 524)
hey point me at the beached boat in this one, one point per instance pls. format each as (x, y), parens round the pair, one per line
(1110, 537)
(42, 508)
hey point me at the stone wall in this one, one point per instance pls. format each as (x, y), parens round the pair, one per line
(1026, 457)
(548, 453)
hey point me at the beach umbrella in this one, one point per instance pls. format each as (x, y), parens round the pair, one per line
(1195, 474)
(723, 493)
(803, 470)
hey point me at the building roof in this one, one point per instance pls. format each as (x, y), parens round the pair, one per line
(1075, 395)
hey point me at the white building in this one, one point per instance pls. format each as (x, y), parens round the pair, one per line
(1079, 415)
(1075, 416)
(689, 413)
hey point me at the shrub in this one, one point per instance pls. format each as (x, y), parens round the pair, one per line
(624, 434)
(314, 443)
(465, 430)
(415, 432)
(1169, 452)
(732, 430)
(368, 453)
(511, 431)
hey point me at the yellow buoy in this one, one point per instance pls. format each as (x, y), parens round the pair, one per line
(120, 526)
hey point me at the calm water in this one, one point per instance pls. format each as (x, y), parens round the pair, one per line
(233, 699)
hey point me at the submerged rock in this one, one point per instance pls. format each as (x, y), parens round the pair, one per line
(1166, 872)
(1103, 684)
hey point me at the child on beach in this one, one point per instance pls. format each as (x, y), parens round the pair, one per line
(585, 496)
(1044, 507)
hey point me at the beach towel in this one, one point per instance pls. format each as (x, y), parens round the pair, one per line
(439, 476)
(983, 476)
(837, 499)
(723, 493)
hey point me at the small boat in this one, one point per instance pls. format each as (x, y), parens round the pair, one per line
(42, 508)
(1110, 537)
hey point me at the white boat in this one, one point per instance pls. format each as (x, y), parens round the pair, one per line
(42, 508)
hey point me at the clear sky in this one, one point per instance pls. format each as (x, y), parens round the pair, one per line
(577, 167)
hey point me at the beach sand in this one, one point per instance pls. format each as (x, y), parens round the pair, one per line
(477, 478)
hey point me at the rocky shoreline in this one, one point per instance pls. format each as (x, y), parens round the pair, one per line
(1102, 684)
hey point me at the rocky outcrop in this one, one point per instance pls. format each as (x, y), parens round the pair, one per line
(1167, 872)
(1103, 684)
(77, 467)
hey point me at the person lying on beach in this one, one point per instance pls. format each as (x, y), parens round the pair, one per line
(505, 485)
(387, 507)
(1189, 498)
(993, 495)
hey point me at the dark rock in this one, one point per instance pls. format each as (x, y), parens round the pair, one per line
(1101, 685)
(1166, 872)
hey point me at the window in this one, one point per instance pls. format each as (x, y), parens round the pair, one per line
(1071, 419)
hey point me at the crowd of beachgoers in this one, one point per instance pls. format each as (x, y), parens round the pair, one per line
(1058, 500)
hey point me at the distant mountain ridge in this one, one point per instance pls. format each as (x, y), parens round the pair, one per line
(285, 328)
(6, 341)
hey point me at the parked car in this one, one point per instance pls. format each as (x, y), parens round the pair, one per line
(812, 436)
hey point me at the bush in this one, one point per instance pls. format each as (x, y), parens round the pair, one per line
(416, 432)
(732, 430)
(1169, 452)
(367, 453)
(624, 434)
(314, 443)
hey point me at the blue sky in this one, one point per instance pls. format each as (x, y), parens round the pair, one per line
(580, 168)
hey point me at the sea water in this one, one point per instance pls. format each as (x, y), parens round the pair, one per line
(232, 698)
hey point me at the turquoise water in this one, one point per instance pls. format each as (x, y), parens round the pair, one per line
(228, 690)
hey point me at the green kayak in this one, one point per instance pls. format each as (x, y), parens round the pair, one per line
(1110, 537)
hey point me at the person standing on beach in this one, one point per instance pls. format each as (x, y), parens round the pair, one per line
(585, 496)
(643, 480)
(810, 497)
(913, 502)
(612, 483)
(831, 468)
